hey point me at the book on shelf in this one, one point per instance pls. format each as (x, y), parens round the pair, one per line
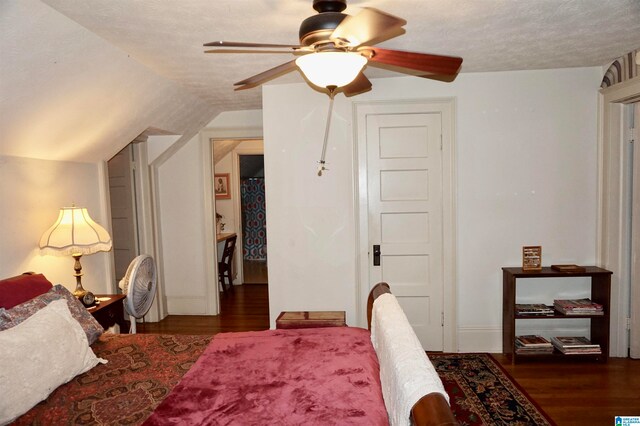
(568, 268)
(531, 340)
(580, 351)
(534, 351)
(578, 307)
(534, 309)
(533, 344)
(574, 342)
(585, 303)
(571, 345)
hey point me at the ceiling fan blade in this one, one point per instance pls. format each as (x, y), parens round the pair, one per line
(288, 52)
(368, 25)
(265, 76)
(360, 85)
(418, 64)
(243, 44)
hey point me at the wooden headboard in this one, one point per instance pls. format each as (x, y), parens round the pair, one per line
(377, 291)
(431, 409)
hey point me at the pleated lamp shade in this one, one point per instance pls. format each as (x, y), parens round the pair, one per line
(75, 233)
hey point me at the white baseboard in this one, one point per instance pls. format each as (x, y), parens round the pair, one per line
(186, 306)
(480, 339)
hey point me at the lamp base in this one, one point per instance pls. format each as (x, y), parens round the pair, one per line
(79, 291)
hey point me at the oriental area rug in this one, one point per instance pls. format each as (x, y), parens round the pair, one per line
(482, 393)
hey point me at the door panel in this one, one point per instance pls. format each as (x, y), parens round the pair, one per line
(404, 227)
(404, 187)
(419, 312)
(123, 211)
(403, 142)
(393, 185)
(406, 270)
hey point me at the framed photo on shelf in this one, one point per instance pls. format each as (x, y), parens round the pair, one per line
(221, 186)
(532, 258)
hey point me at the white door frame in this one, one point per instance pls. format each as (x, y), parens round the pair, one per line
(146, 232)
(611, 245)
(210, 250)
(634, 333)
(237, 208)
(447, 107)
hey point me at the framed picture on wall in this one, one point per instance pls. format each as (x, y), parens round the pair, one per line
(221, 186)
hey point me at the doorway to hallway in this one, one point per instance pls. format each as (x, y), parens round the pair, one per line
(253, 218)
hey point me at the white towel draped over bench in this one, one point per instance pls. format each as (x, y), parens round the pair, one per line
(408, 373)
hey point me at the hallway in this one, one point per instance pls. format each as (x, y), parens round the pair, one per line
(255, 271)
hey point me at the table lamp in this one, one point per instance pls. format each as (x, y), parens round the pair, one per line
(75, 234)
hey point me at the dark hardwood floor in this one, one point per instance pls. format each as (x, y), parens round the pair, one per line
(255, 271)
(581, 393)
(246, 308)
(570, 393)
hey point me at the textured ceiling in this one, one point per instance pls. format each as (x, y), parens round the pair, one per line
(491, 35)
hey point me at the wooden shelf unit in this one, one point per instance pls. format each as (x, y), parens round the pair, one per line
(600, 293)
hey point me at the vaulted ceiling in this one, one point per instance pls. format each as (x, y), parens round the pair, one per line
(491, 35)
(80, 79)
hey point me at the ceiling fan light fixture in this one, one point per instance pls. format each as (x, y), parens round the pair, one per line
(325, 69)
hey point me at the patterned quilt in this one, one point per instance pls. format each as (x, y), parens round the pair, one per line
(141, 372)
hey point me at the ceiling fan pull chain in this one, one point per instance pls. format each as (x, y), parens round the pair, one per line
(321, 167)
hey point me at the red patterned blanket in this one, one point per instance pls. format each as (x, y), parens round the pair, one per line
(326, 376)
(141, 371)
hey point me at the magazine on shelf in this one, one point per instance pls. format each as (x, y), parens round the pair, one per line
(580, 351)
(533, 345)
(534, 309)
(578, 307)
(569, 313)
(571, 345)
(534, 351)
(531, 340)
(577, 304)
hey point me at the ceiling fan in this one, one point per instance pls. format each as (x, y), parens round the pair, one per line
(335, 47)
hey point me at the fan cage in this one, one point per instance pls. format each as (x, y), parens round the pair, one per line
(140, 286)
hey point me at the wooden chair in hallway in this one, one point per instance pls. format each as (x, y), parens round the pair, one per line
(226, 262)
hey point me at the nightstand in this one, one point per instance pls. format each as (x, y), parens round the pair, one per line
(110, 312)
(310, 319)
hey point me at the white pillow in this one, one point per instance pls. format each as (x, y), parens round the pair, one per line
(38, 355)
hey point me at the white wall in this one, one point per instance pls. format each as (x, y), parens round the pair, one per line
(235, 121)
(157, 144)
(310, 219)
(182, 213)
(526, 175)
(32, 193)
(181, 225)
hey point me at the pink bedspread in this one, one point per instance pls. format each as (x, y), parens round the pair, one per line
(325, 376)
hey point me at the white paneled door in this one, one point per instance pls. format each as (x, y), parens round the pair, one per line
(123, 211)
(404, 176)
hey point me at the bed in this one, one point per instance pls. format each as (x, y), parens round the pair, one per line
(299, 376)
